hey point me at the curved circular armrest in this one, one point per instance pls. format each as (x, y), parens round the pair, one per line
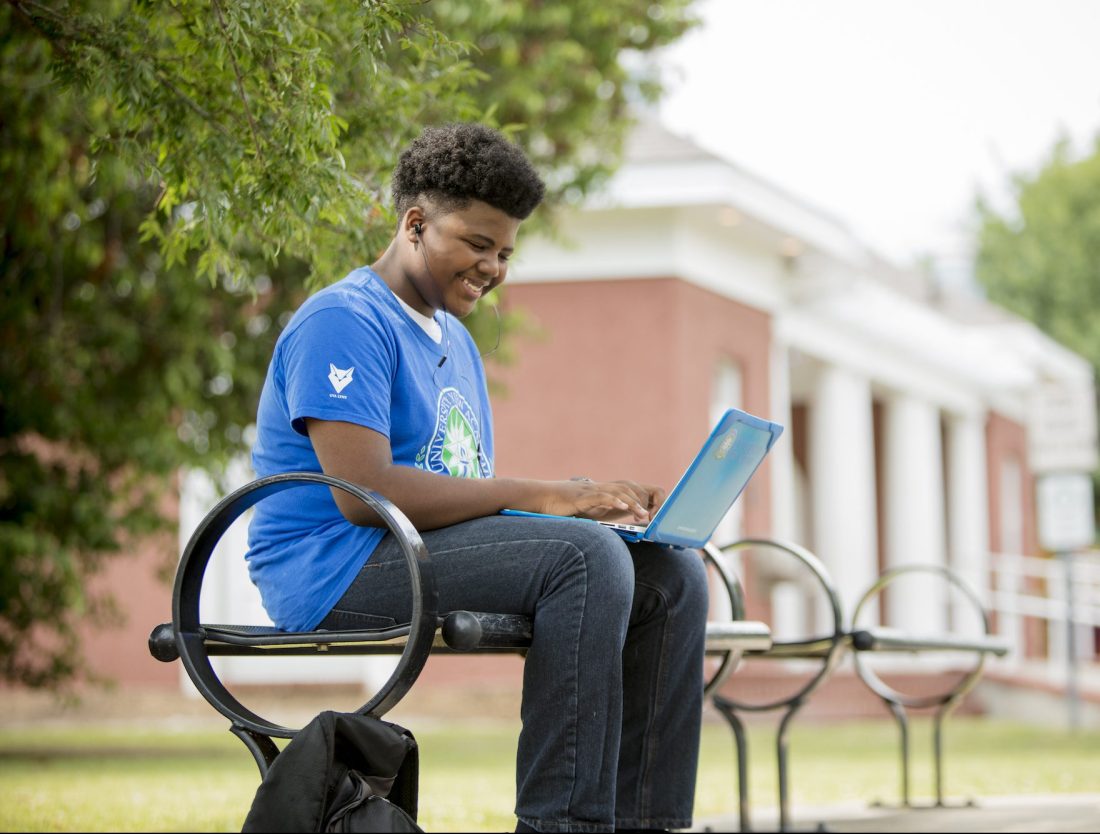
(192, 569)
(827, 648)
(731, 584)
(864, 641)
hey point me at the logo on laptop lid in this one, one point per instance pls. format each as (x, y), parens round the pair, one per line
(726, 444)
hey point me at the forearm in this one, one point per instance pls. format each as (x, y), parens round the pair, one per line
(431, 500)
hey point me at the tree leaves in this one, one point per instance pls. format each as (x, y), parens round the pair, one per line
(228, 110)
(175, 177)
(1042, 259)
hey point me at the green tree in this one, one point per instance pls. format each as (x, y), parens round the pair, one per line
(568, 72)
(1041, 258)
(174, 177)
(144, 145)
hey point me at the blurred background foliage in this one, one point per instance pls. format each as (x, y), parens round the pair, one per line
(1040, 256)
(177, 176)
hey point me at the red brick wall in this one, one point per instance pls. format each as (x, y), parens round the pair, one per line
(140, 581)
(618, 384)
(1006, 440)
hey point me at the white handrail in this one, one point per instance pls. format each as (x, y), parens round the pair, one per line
(1012, 573)
(1063, 591)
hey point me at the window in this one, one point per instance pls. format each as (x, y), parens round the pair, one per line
(725, 393)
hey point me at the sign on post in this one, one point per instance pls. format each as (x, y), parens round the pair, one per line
(1066, 520)
(1062, 428)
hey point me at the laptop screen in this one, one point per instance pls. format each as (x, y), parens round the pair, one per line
(715, 479)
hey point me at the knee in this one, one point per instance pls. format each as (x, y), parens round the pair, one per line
(689, 590)
(609, 565)
(602, 558)
(696, 575)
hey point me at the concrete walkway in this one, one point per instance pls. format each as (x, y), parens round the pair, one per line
(1048, 812)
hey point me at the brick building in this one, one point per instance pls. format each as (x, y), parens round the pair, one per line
(688, 286)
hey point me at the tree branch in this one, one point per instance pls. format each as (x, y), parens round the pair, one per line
(191, 103)
(32, 21)
(240, 80)
(58, 41)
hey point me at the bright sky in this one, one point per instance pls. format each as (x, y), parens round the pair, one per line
(889, 114)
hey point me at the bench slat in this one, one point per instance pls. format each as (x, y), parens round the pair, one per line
(262, 636)
(459, 631)
(816, 648)
(744, 635)
(892, 640)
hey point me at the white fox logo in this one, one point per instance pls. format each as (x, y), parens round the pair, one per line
(339, 378)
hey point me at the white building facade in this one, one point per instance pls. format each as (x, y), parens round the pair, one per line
(920, 423)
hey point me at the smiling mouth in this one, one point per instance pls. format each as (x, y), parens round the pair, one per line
(477, 287)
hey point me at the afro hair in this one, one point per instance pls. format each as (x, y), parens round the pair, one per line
(457, 163)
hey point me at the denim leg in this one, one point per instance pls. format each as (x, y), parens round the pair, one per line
(662, 689)
(576, 579)
(573, 690)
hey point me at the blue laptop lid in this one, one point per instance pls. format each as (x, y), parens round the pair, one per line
(715, 479)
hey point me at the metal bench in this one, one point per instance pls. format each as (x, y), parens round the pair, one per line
(194, 643)
(826, 648)
(829, 649)
(868, 641)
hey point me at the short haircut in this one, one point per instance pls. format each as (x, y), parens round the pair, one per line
(457, 163)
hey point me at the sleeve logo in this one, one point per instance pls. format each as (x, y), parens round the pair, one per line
(339, 378)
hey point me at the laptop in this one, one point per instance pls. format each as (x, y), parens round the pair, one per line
(703, 495)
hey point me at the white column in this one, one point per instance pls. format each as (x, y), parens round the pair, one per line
(968, 504)
(914, 498)
(783, 523)
(842, 475)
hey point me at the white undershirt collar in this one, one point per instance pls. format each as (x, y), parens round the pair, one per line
(426, 323)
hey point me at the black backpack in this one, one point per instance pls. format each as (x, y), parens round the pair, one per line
(358, 808)
(341, 772)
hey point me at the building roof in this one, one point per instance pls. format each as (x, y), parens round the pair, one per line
(675, 208)
(651, 141)
(663, 170)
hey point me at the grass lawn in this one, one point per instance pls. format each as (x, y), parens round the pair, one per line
(111, 778)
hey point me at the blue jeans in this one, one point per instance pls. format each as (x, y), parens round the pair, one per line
(613, 681)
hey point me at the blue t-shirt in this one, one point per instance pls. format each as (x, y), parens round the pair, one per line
(351, 353)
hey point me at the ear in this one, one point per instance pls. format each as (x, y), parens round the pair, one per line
(331, 368)
(413, 217)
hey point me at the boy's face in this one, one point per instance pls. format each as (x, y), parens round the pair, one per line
(460, 255)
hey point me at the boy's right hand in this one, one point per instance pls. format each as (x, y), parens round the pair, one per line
(603, 500)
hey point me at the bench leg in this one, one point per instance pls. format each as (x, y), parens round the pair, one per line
(741, 743)
(937, 753)
(937, 749)
(903, 732)
(938, 720)
(261, 747)
(782, 746)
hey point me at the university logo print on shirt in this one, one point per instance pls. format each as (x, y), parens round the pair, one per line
(455, 447)
(340, 379)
